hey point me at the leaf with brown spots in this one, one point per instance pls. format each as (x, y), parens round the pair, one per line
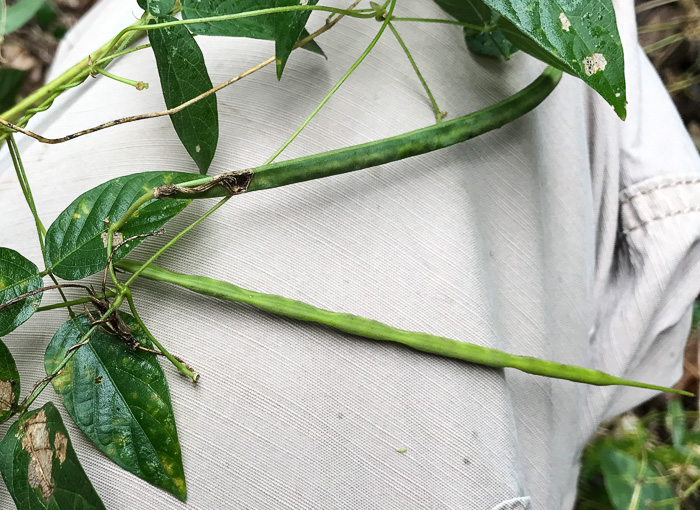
(9, 383)
(40, 468)
(60, 442)
(35, 441)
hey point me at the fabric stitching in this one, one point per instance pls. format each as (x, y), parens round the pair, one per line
(659, 187)
(666, 215)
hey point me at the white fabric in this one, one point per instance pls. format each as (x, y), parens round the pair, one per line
(567, 235)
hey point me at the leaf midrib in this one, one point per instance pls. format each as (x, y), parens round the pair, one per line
(133, 417)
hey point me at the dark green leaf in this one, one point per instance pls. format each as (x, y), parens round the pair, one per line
(183, 76)
(312, 45)
(284, 28)
(40, 467)
(9, 383)
(696, 315)
(160, 7)
(288, 28)
(590, 483)
(19, 14)
(668, 456)
(143, 4)
(120, 399)
(256, 27)
(622, 472)
(59, 32)
(45, 16)
(75, 247)
(17, 277)
(476, 12)
(492, 44)
(11, 81)
(578, 37)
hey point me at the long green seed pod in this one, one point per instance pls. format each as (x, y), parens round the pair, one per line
(386, 150)
(375, 330)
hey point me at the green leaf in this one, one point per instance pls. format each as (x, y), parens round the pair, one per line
(19, 14)
(75, 247)
(120, 399)
(45, 16)
(580, 38)
(312, 45)
(255, 27)
(17, 277)
(160, 7)
(9, 383)
(11, 81)
(40, 467)
(288, 29)
(623, 472)
(476, 12)
(183, 76)
(284, 28)
(491, 44)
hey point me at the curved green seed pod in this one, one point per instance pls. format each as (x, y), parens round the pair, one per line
(386, 150)
(375, 330)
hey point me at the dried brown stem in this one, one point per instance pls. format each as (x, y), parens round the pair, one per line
(234, 183)
(329, 24)
(24, 296)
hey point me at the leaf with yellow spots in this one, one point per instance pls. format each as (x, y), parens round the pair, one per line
(18, 276)
(40, 467)
(74, 245)
(120, 399)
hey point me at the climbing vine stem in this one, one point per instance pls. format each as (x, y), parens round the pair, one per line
(29, 198)
(182, 367)
(438, 113)
(72, 77)
(176, 239)
(340, 82)
(26, 190)
(479, 28)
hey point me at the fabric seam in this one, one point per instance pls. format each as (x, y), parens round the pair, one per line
(663, 216)
(664, 185)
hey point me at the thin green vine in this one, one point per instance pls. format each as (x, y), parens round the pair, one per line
(182, 367)
(335, 88)
(29, 198)
(438, 113)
